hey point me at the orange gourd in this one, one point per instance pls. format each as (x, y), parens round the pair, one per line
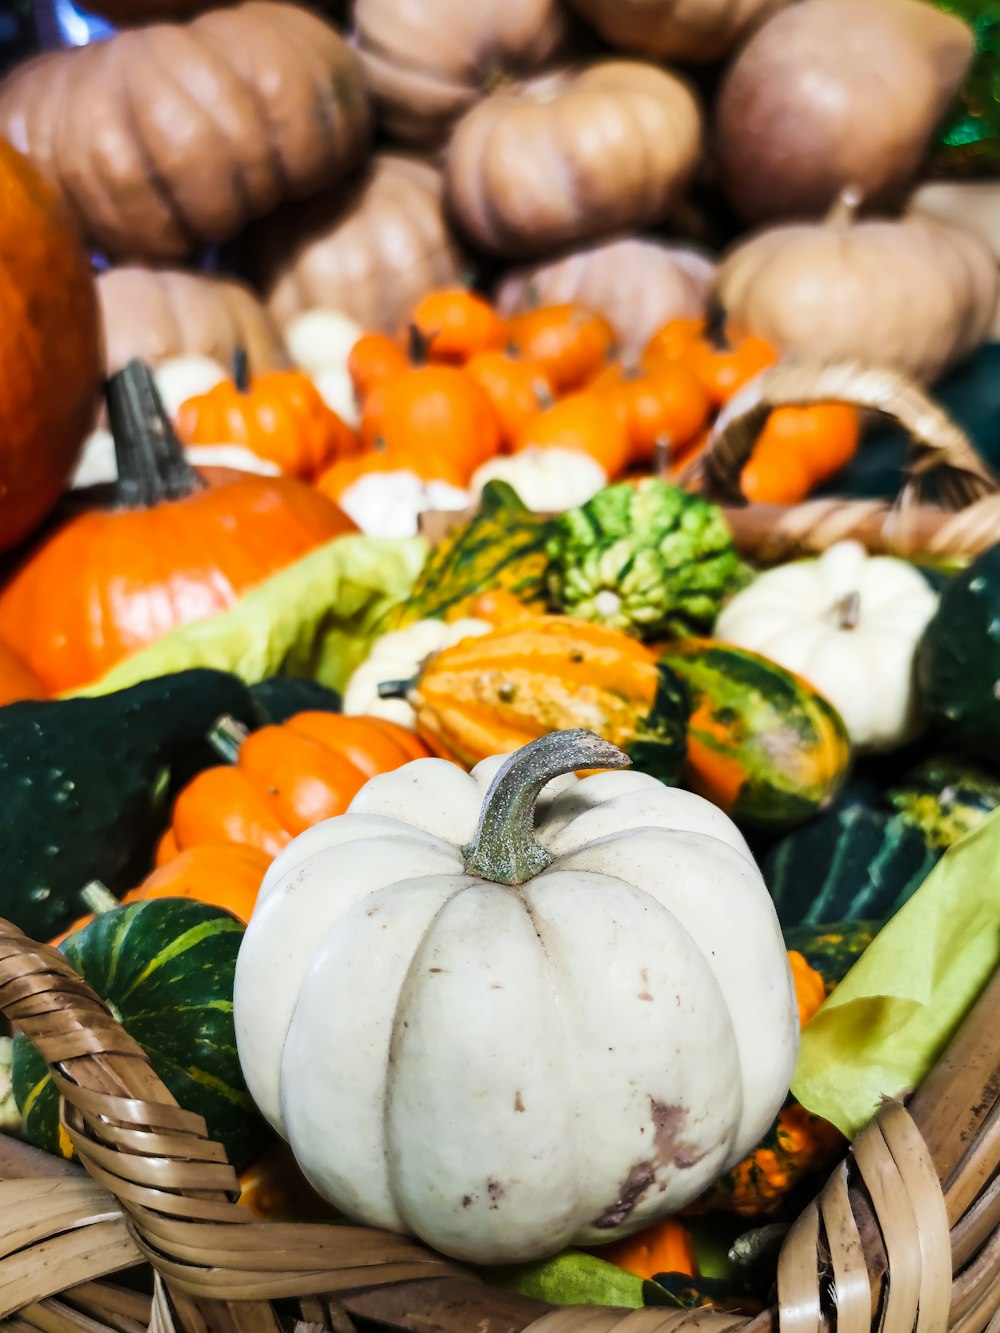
(283, 779)
(518, 389)
(456, 324)
(280, 416)
(17, 680)
(663, 1248)
(168, 551)
(587, 421)
(810, 986)
(274, 1189)
(666, 406)
(569, 342)
(798, 449)
(723, 358)
(375, 357)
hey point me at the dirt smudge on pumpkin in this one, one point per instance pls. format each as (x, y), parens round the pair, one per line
(644, 993)
(635, 1185)
(496, 1192)
(668, 1124)
(518, 1101)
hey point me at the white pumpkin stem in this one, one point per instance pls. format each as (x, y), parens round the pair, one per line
(845, 207)
(504, 849)
(847, 610)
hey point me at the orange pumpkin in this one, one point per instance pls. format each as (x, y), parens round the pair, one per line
(373, 358)
(168, 551)
(569, 342)
(587, 421)
(666, 406)
(274, 1189)
(283, 779)
(17, 680)
(50, 346)
(279, 416)
(518, 389)
(432, 410)
(663, 1248)
(798, 449)
(456, 324)
(722, 357)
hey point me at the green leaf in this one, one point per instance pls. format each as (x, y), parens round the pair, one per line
(571, 1278)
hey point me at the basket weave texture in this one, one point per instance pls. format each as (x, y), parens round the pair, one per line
(905, 1236)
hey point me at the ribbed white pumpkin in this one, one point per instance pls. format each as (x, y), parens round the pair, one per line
(505, 1046)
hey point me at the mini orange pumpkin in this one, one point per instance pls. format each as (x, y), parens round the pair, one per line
(667, 405)
(374, 358)
(724, 358)
(17, 680)
(279, 416)
(569, 342)
(456, 324)
(586, 421)
(517, 388)
(283, 779)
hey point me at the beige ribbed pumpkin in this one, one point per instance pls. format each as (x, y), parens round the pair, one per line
(916, 293)
(428, 62)
(635, 282)
(699, 31)
(572, 156)
(370, 253)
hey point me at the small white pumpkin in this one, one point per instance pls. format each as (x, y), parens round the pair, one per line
(506, 1046)
(546, 480)
(397, 656)
(182, 377)
(849, 624)
(389, 504)
(319, 342)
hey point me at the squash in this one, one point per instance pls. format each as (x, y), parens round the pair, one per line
(852, 863)
(830, 93)
(427, 64)
(491, 693)
(86, 786)
(913, 293)
(370, 249)
(637, 283)
(159, 313)
(440, 1137)
(17, 680)
(799, 449)
(285, 113)
(569, 342)
(830, 950)
(502, 547)
(698, 31)
(167, 534)
(50, 352)
(663, 1248)
(647, 559)
(945, 798)
(282, 779)
(848, 623)
(548, 480)
(572, 156)
(165, 969)
(958, 660)
(280, 416)
(761, 742)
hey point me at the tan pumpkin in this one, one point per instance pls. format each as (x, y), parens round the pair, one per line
(833, 92)
(915, 293)
(157, 314)
(371, 254)
(167, 137)
(428, 63)
(699, 31)
(635, 282)
(974, 204)
(572, 156)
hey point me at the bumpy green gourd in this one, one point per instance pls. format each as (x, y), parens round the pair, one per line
(650, 559)
(946, 798)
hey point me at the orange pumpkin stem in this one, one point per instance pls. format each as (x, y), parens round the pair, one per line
(151, 463)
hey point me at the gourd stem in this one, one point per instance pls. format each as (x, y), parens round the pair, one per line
(226, 738)
(715, 328)
(417, 346)
(241, 369)
(395, 689)
(504, 849)
(151, 463)
(845, 207)
(98, 898)
(847, 610)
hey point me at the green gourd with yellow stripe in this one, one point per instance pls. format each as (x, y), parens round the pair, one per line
(165, 969)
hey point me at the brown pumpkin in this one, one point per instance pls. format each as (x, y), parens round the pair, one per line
(698, 31)
(50, 355)
(155, 314)
(239, 109)
(913, 293)
(635, 282)
(372, 251)
(572, 155)
(833, 92)
(428, 63)
(108, 582)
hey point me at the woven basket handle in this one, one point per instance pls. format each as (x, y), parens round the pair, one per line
(938, 445)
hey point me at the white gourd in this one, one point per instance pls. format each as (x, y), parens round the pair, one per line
(849, 624)
(389, 504)
(506, 1029)
(546, 480)
(319, 341)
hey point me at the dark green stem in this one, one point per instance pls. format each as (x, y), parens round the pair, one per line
(226, 738)
(504, 849)
(715, 328)
(241, 369)
(395, 689)
(417, 346)
(151, 463)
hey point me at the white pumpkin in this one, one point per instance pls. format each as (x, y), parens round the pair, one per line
(182, 377)
(389, 504)
(547, 480)
(319, 342)
(849, 624)
(399, 655)
(506, 1046)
